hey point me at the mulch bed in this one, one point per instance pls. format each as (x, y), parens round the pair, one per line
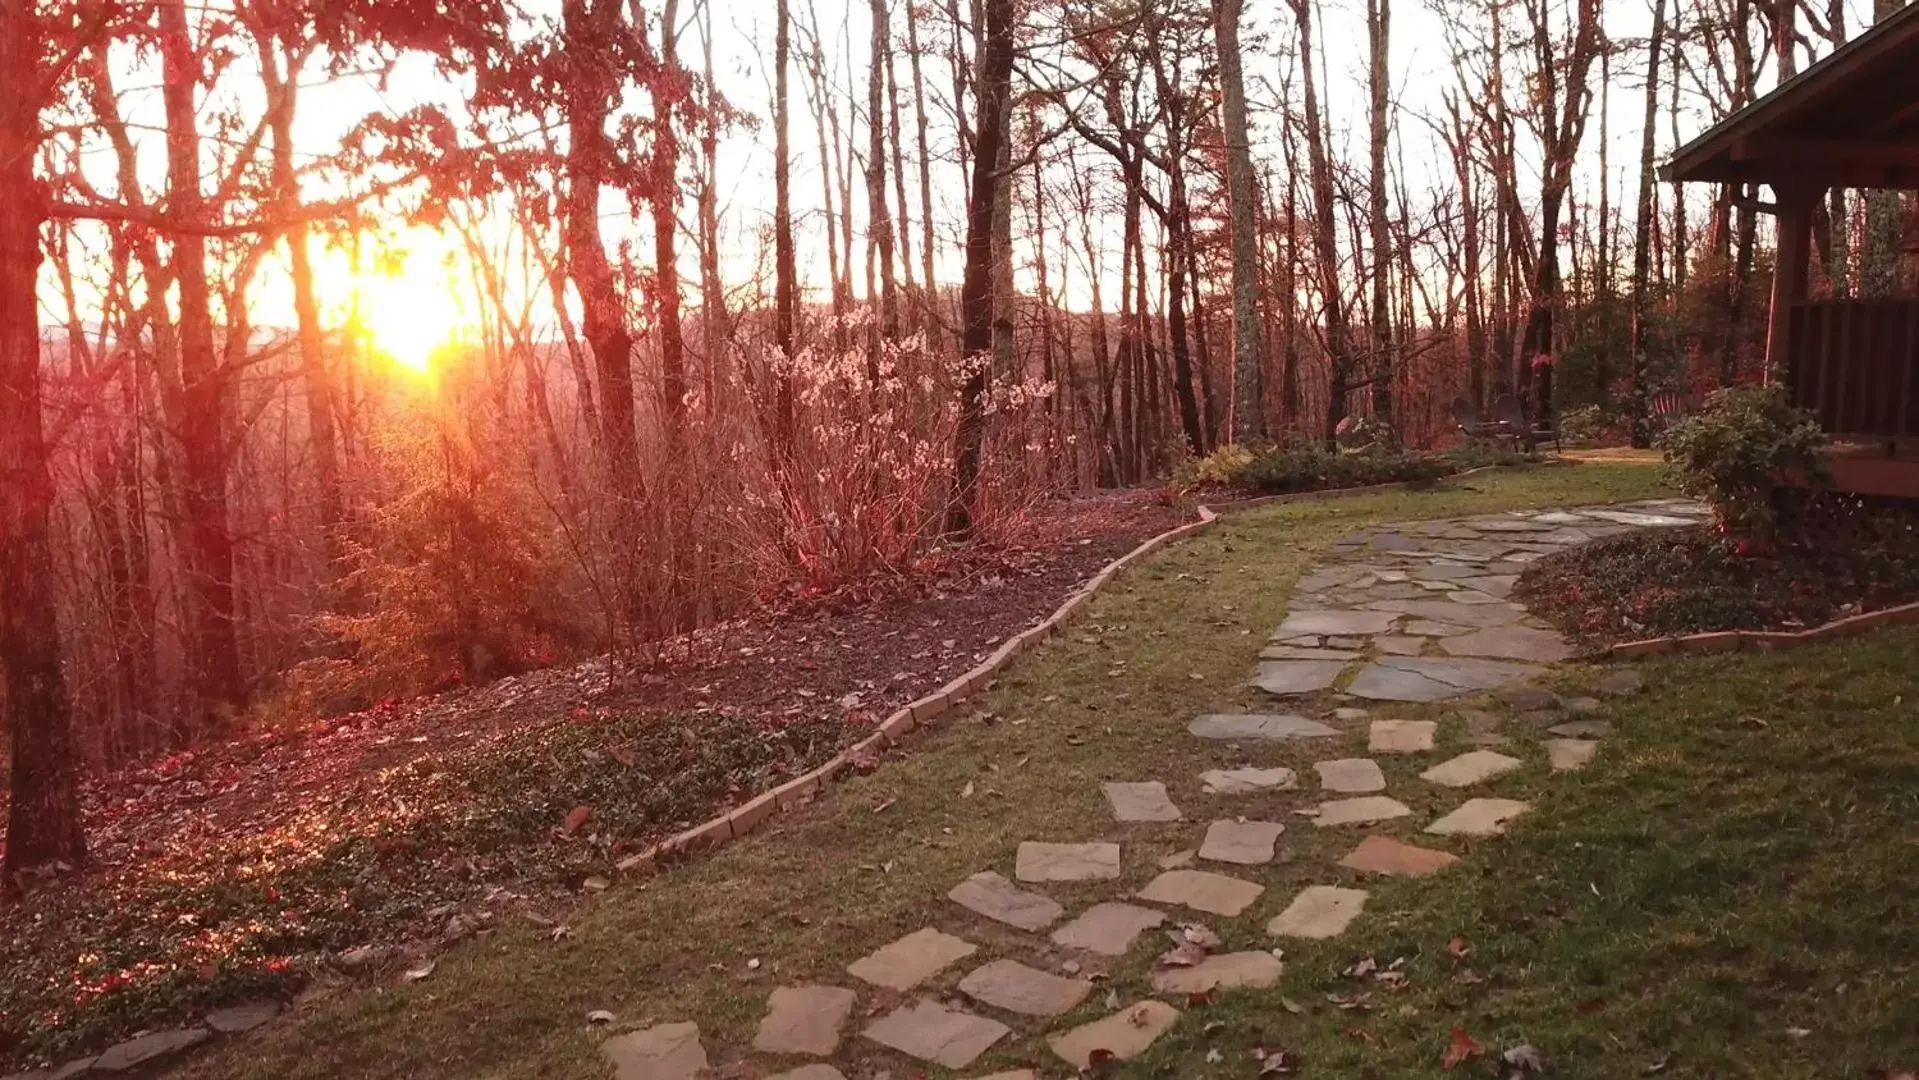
(297, 861)
(1838, 559)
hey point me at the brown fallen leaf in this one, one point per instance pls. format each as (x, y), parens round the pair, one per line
(574, 819)
(621, 754)
(1458, 947)
(1659, 1066)
(1273, 1062)
(1187, 955)
(1462, 1048)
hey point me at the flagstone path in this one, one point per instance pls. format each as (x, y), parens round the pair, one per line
(1411, 613)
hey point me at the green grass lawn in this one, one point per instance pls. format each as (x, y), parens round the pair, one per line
(1732, 893)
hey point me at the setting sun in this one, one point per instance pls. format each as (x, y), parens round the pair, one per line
(409, 313)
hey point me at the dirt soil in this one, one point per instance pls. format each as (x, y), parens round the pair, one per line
(306, 858)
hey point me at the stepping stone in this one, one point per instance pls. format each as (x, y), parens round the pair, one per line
(1320, 912)
(1430, 586)
(1350, 713)
(1445, 571)
(146, 1048)
(1011, 985)
(1384, 855)
(1397, 645)
(912, 959)
(242, 1018)
(1215, 894)
(1472, 596)
(1401, 736)
(1038, 861)
(1258, 727)
(1499, 585)
(1294, 652)
(1511, 643)
(1108, 929)
(1482, 617)
(1582, 729)
(1479, 817)
(1345, 643)
(1570, 755)
(1285, 678)
(1338, 622)
(1472, 767)
(1638, 521)
(1622, 683)
(1364, 810)
(1528, 698)
(1247, 843)
(1304, 641)
(1429, 628)
(661, 1052)
(987, 893)
(1227, 971)
(804, 1020)
(1351, 776)
(1145, 801)
(1247, 781)
(810, 1072)
(1377, 683)
(1126, 1034)
(932, 1032)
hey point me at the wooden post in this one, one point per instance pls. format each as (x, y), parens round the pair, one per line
(1795, 201)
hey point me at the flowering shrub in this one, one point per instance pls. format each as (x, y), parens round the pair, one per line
(1738, 452)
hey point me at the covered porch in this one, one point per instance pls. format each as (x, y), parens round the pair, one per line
(1851, 120)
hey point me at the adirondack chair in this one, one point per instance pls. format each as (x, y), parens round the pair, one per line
(1471, 424)
(1510, 415)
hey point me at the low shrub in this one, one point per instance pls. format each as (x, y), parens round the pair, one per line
(1737, 453)
(1587, 423)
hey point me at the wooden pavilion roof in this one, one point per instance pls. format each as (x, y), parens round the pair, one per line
(1851, 120)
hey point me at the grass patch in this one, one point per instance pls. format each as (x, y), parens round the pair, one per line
(1837, 559)
(1106, 700)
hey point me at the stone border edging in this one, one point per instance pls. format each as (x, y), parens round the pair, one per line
(1767, 640)
(748, 817)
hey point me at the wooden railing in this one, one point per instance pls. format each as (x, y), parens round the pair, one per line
(1855, 364)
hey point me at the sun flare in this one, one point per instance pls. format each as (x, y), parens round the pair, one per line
(410, 315)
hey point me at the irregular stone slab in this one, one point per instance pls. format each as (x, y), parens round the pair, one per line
(1338, 622)
(1349, 714)
(1011, 985)
(1384, 855)
(1464, 673)
(1320, 912)
(1038, 861)
(1479, 817)
(1582, 729)
(1472, 767)
(1399, 645)
(1496, 585)
(1260, 727)
(1559, 517)
(987, 893)
(242, 1018)
(1472, 596)
(1638, 521)
(1584, 706)
(160, 1044)
(1304, 641)
(1364, 810)
(1351, 776)
(1247, 843)
(661, 1052)
(1285, 678)
(1125, 1034)
(1622, 683)
(1511, 643)
(932, 1032)
(1401, 736)
(803, 1020)
(1570, 755)
(1215, 894)
(912, 959)
(1445, 611)
(1108, 929)
(1378, 683)
(1445, 571)
(1294, 652)
(810, 1072)
(1227, 971)
(1246, 781)
(1145, 801)
(1429, 628)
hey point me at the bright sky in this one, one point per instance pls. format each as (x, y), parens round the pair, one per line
(419, 302)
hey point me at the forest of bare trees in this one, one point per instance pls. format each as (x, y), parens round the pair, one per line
(1000, 250)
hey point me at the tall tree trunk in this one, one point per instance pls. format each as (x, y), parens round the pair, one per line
(201, 427)
(44, 826)
(1645, 207)
(665, 200)
(931, 306)
(1248, 422)
(785, 283)
(714, 321)
(879, 218)
(1325, 228)
(976, 290)
(1378, 30)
